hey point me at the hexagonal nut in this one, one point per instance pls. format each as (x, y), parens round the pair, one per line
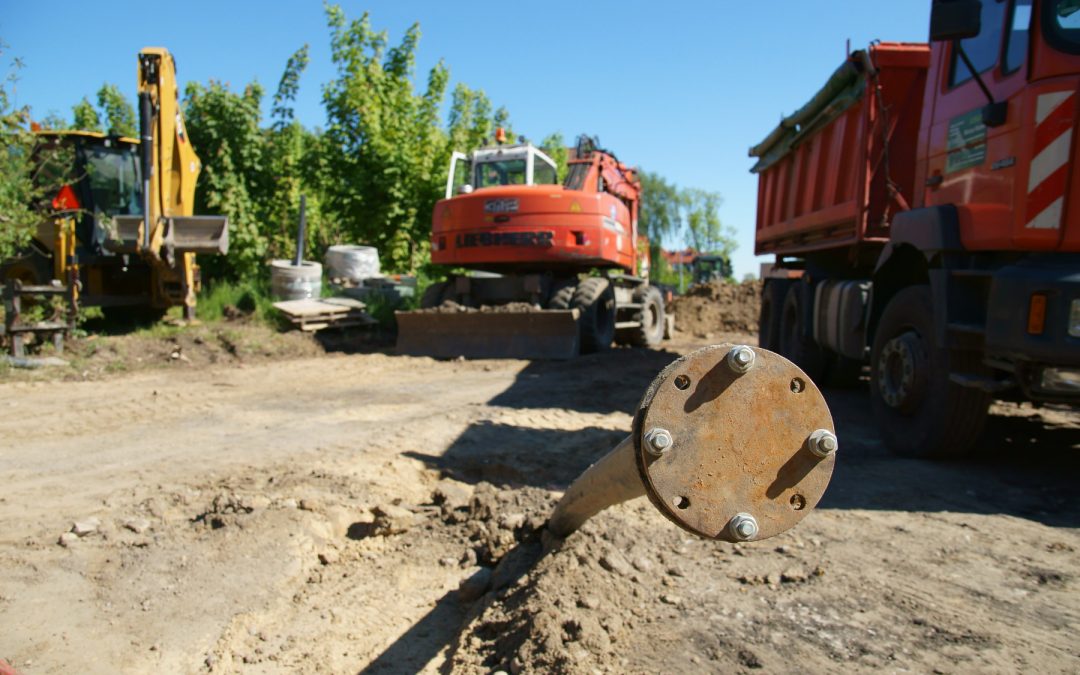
(658, 441)
(741, 358)
(743, 527)
(823, 443)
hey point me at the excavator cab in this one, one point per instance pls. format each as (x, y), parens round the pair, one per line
(521, 164)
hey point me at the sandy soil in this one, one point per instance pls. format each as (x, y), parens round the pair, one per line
(375, 513)
(718, 307)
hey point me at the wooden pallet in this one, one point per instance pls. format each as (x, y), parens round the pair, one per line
(313, 315)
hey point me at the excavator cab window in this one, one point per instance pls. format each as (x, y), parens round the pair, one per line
(575, 176)
(543, 173)
(501, 172)
(115, 181)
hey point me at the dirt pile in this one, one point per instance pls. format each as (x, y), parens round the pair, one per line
(451, 307)
(717, 307)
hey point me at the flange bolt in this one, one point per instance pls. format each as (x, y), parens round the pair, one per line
(741, 358)
(743, 527)
(823, 443)
(658, 441)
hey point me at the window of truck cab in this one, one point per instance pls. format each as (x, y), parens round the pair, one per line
(1061, 25)
(984, 49)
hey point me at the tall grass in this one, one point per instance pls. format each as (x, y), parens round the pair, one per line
(249, 297)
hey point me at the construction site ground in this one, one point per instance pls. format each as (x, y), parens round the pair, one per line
(256, 503)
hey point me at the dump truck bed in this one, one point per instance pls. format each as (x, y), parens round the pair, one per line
(830, 174)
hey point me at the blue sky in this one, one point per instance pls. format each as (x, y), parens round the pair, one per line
(678, 88)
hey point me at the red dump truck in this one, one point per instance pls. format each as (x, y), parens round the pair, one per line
(924, 211)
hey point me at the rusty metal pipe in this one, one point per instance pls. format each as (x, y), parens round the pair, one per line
(611, 480)
(729, 442)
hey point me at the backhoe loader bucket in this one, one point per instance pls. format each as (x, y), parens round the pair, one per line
(183, 234)
(547, 334)
(124, 235)
(198, 234)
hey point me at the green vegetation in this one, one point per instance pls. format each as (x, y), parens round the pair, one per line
(222, 298)
(371, 176)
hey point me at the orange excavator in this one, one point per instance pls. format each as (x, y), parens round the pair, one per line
(555, 270)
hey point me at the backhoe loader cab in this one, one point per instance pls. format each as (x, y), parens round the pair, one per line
(521, 164)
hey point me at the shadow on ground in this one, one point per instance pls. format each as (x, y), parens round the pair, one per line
(1022, 466)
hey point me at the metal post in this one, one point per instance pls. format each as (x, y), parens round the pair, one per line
(612, 480)
(299, 259)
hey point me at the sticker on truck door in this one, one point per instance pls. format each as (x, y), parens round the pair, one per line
(967, 141)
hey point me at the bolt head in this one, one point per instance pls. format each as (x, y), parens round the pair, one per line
(823, 443)
(741, 358)
(658, 441)
(743, 527)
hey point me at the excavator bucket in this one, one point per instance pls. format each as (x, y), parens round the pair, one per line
(546, 334)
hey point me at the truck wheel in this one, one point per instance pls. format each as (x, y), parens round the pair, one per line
(920, 412)
(651, 315)
(595, 298)
(433, 295)
(772, 300)
(802, 351)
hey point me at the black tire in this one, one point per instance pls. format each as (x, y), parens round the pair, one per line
(433, 295)
(133, 315)
(772, 300)
(651, 315)
(919, 411)
(563, 297)
(844, 373)
(594, 297)
(794, 343)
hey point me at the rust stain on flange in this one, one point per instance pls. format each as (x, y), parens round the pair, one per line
(740, 443)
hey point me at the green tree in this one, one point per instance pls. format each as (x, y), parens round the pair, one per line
(471, 120)
(118, 113)
(224, 128)
(84, 117)
(660, 211)
(16, 187)
(554, 146)
(387, 150)
(706, 232)
(31, 171)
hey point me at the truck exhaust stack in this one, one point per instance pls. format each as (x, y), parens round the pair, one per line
(730, 442)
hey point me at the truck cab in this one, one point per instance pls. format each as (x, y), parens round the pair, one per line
(924, 208)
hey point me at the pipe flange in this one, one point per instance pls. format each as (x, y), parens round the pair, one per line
(742, 445)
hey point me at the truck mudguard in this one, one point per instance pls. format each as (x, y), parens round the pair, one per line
(917, 233)
(930, 230)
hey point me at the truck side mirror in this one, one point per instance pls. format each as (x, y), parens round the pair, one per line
(955, 19)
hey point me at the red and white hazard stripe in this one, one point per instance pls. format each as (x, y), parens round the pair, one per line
(1054, 115)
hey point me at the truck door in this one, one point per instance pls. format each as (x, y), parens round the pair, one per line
(970, 164)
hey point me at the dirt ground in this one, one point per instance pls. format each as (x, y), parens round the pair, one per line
(282, 510)
(718, 307)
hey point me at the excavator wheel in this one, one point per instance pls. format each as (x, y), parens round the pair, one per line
(595, 299)
(651, 315)
(433, 295)
(563, 297)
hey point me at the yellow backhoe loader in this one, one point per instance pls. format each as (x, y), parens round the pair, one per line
(95, 242)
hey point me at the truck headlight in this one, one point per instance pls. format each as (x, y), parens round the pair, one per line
(1074, 318)
(1061, 380)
